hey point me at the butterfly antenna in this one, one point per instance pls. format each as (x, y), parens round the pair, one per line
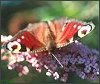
(57, 60)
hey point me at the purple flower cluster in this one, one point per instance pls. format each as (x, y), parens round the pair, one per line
(75, 57)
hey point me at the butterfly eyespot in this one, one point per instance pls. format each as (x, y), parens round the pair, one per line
(84, 30)
(14, 46)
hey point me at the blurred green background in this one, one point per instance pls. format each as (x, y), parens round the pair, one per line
(16, 15)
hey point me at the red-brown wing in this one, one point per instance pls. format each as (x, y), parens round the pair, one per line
(71, 28)
(66, 30)
(33, 37)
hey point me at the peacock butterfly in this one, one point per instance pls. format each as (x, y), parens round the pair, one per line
(48, 35)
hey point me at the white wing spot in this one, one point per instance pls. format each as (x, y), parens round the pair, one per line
(22, 37)
(18, 40)
(74, 26)
(78, 27)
